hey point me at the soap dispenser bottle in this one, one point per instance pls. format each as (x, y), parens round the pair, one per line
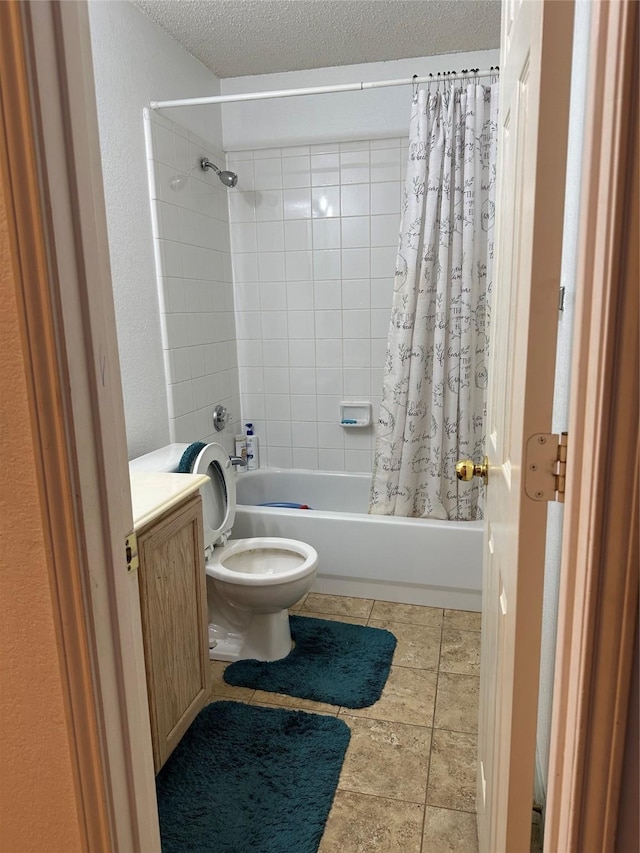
(241, 450)
(253, 454)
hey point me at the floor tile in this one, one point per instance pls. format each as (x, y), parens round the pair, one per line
(418, 647)
(294, 702)
(361, 824)
(414, 614)
(394, 755)
(299, 604)
(324, 710)
(217, 697)
(220, 687)
(457, 702)
(463, 620)
(537, 833)
(452, 771)
(338, 605)
(333, 617)
(447, 831)
(386, 760)
(408, 697)
(460, 652)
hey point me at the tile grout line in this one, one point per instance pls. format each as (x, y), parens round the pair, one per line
(433, 719)
(398, 800)
(379, 797)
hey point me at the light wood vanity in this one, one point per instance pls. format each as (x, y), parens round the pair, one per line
(173, 602)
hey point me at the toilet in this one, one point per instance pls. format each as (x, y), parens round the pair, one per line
(251, 583)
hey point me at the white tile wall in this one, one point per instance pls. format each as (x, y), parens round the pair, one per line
(195, 285)
(314, 233)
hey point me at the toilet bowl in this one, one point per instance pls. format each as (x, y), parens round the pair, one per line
(259, 579)
(251, 583)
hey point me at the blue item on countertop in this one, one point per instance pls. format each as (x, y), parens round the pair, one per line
(187, 459)
(285, 505)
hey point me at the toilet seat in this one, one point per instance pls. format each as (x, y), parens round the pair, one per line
(282, 560)
(218, 497)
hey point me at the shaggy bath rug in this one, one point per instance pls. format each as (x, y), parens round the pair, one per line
(333, 662)
(246, 779)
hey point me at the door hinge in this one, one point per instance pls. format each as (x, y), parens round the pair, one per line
(131, 552)
(545, 466)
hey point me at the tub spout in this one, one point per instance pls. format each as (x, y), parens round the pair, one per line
(238, 461)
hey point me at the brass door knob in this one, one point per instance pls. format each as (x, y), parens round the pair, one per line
(467, 469)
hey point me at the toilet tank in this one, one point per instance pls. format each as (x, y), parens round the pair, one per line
(164, 459)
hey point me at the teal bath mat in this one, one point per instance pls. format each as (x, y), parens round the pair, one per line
(333, 662)
(250, 779)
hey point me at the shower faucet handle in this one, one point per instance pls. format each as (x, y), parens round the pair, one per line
(220, 417)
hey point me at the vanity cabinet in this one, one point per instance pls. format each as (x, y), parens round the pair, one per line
(173, 603)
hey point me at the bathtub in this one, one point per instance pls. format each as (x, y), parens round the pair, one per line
(409, 560)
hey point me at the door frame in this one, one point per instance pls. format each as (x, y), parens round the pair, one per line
(77, 412)
(52, 179)
(598, 606)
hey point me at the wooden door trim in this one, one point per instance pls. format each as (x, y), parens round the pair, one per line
(34, 275)
(599, 576)
(50, 158)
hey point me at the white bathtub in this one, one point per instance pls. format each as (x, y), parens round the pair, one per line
(410, 560)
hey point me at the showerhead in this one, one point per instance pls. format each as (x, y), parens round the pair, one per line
(229, 179)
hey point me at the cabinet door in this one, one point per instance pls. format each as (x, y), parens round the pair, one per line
(174, 622)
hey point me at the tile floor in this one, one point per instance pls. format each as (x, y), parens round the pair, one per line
(408, 780)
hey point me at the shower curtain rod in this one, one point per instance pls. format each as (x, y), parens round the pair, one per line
(322, 90)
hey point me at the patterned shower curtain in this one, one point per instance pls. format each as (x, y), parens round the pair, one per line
(434, 390)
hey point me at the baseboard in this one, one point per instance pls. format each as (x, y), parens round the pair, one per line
(454, 599)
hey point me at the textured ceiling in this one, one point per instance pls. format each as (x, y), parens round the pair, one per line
(240, 37)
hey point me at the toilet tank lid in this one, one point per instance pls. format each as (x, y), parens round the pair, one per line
(163, 459)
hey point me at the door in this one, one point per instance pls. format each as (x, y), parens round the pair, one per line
(534, 104)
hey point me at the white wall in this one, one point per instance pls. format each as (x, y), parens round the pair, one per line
(314, 236)
(191, 234)
(372, 114)
(561, 391)
(134, 62)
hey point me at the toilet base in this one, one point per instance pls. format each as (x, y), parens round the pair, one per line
(267, 637)
(227, 650)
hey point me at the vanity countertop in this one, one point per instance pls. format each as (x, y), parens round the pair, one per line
(152, 494)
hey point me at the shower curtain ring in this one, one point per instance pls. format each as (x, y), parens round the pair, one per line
(415, 88)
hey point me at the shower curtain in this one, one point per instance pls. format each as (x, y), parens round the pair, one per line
(435, 377)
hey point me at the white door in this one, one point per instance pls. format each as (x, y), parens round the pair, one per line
(535, 75)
